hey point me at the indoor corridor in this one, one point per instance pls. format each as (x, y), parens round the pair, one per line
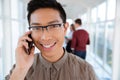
(101, 18)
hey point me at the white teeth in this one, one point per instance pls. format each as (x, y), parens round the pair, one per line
(48, 46)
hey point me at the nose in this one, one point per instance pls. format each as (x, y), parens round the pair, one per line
(45, 35)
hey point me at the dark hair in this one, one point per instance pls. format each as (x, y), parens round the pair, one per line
(38, 4)
(78, 21)
(73, 27)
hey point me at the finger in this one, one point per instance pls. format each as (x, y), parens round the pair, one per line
(23, 44)
(25, 38)
(32, 50)
(27, 33)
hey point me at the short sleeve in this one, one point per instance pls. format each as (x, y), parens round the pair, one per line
(7, 77)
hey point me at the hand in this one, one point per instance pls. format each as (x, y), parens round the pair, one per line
(73, 52)
(23, 60)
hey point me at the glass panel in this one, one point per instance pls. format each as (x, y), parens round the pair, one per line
(0, 7)
(1, 37)
(101, 12)
(22, 10)
(100, 40)
(111, 9)
(94, 15)
(14, 9)
(109, 40)
(93, 37)
(15, 36)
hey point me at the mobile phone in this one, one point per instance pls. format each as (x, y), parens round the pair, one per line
(30, 45)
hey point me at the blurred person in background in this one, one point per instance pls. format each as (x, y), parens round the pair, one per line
(69, 38)
(80, 40)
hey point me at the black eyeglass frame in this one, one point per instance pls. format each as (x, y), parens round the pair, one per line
(60, 24)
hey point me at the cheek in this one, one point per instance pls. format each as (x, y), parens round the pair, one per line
(61, 36)
(35, 37)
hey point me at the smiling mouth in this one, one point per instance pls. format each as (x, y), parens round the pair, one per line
(48, 45)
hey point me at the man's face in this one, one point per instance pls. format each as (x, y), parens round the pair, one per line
(48, 41)
(76, 25)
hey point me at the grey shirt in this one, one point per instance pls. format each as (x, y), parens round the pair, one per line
(69, 67)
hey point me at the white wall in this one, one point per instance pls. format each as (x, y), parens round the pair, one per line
(116, 50)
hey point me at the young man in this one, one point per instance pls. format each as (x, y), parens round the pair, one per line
(80, 40)
(47, 20)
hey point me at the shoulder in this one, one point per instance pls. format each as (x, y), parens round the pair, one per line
(75, 60)
(80, 66)
(82, 30)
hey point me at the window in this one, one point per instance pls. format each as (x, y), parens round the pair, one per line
(1, 37)
(111, 9)
(12, 21)
(94, 15)
(100, 39)
(101, 12)
(93, 38)
(109, 41)
(103, 17)
(14, 9)
(0, 7)
(15, 36)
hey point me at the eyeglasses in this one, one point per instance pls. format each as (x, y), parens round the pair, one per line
(49, 28)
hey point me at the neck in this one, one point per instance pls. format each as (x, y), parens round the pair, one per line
(55, 57)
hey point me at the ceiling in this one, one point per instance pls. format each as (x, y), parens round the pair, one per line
(74, 8)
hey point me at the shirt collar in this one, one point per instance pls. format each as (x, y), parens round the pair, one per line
(79, 28)
(57, 64)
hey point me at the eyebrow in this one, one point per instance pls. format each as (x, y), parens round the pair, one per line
(35, 24)
(51, 22)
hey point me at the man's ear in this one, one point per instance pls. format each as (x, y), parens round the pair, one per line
(66, 25)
